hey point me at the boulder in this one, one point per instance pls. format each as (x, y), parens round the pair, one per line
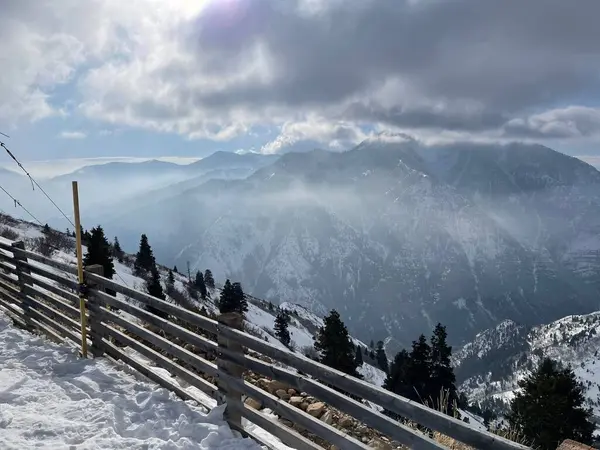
(316, 409)
(296, 401)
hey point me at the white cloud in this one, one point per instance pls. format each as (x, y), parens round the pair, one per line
(72, 135)
(320, 71)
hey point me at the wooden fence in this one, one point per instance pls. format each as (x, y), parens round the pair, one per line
(40, 294)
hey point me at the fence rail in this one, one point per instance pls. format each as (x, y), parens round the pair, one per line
(41, 294)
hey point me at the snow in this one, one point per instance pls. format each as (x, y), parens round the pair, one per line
(49, 398)
(372, 374)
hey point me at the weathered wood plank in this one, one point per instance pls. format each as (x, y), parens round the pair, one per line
(165, 324)
(69, 297)
(205, 323)
(64, 308)
(146, 371)
(53, 314)
(164, 344)
(53, 276)
(417, 412)
(57, 327)
(230, 396)
(374, 419)
(39, 258)
(287, 435)
(9, 279)
(160, 360)
(296, 415)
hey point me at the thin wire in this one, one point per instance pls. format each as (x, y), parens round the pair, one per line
(3, 134)
(33, 182)
(18, 203)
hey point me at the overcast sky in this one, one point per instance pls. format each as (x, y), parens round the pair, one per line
(101, 78)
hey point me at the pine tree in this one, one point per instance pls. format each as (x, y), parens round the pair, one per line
(98, 252)
(442, 373)
(240, 297)
(372, 354)
(396, 380)
(46, 229)
(154, 288)
(418, 371)
(282, 320)
(382, 360)
(550, 408)
(230, 300)
(175, 269)
(144, 259)
(372, 344)
(170, 278)
(117, 251)
(200, 285)
(209, 281)
(358, 357)
(335, 346)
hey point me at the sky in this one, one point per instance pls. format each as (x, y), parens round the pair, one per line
(184, 78)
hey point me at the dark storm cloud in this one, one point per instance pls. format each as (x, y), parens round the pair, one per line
(508, 57)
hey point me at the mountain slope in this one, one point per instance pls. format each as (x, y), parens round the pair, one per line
(490, 366)
(468, 236)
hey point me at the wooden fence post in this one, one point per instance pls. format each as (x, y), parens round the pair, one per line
(21, 268)
(93, 303)
(229, 395)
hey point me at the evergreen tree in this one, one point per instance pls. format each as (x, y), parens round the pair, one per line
(271, 306)
(282, 320)
(144, 259)
(358, 356)
(175, 269)
(117, 251)
(170, 278)
(240, 297)
(382, 360)
(372, 344)
(418, 371)
(46, 229)
(98, 252)
(442, 373)
(231, 300)
(372, 354)
(550, 408)
(200, 285)
(209, 281)
(397, 376)
(154, 288)
(335, 346)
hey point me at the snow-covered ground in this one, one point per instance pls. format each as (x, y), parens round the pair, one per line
(51, 399)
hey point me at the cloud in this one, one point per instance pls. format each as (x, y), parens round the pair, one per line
(569, 122)
(320, 71)
(72, 135)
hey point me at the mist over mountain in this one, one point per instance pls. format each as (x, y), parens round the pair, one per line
(395, 235)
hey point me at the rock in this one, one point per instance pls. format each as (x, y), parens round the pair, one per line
(304, 406)
(275, 385)
(264, 383)
(292, 392)
(282, 394)
(316, 409)
(252, 403)
(379, 444)
(572, 445)
(345, 421)
(296, 401)
(327, 417)
(333, 447)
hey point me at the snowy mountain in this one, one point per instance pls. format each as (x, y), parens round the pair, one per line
(490, 366)
(396, 236)
(260, 318)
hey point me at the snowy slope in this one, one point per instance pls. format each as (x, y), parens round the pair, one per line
(490, 366)
(50, 398)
